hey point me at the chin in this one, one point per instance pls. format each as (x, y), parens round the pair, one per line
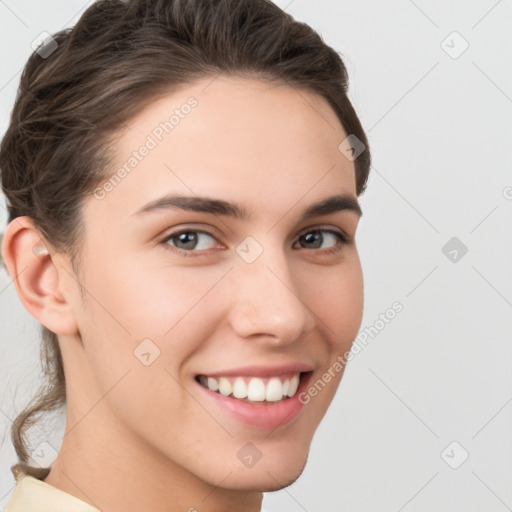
(270, 476)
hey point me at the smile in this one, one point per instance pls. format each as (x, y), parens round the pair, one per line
(253, 389)
(262, 397)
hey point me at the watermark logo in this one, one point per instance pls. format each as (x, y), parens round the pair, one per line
(44, 45)
(146, 352)
(351, 147)
(44, 455)
(454, 45)
(249, 249)
(249, 455)
(455, 455)
(454, 249)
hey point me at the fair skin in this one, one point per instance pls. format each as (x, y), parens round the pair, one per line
(150, 437)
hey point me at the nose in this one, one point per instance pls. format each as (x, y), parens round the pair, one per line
(267, 303)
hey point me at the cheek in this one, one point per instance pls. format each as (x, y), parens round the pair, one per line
(339, 307)
(172, 307)
(340, 304)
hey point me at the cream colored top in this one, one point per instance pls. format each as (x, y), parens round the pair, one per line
(33, 495)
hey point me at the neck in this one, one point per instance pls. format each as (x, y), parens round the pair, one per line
(114, 473)
(111, 467)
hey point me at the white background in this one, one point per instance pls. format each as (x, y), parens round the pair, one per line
(440, 131)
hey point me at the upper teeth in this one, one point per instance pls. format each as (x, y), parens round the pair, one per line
(253, 388)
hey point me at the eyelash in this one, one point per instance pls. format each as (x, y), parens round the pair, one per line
(343, 239)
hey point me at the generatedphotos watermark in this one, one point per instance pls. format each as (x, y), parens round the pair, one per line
(152, 140)
(359, 343)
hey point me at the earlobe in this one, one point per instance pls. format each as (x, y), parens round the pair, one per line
(34, 267)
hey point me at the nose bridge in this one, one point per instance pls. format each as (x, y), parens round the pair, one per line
(267, 301)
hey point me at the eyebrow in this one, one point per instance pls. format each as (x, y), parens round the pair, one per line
(333, 204)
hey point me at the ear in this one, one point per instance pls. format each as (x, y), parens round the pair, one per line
(41, 276)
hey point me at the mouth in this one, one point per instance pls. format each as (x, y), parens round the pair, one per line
(259, 396)
(255, 390)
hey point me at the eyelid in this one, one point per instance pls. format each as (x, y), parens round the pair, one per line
(344, 239)
(179, 231)
(318, 227)
(323, 227)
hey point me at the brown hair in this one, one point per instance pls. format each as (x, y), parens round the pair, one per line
(78, 88)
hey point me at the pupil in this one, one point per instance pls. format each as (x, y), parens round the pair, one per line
(310, 237)
(187, 238)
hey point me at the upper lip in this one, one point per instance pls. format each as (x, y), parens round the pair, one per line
(262, 371)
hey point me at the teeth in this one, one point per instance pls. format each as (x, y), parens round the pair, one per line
(239, 388)
(212, 384)
(274, 390)
(286, 386)
(294, 384)
(225, 387)
(254, 389)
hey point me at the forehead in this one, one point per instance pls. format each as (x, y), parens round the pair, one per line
(263, 143)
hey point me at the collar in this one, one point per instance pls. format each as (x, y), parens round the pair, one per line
(34, 495)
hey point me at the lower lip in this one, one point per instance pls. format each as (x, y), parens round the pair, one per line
(265, 415)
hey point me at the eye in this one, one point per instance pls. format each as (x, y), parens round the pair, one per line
(317, 236)
(188, 242)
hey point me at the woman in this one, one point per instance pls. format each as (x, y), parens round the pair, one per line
(182, 182)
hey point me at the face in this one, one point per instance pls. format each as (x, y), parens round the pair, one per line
(182, 295)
